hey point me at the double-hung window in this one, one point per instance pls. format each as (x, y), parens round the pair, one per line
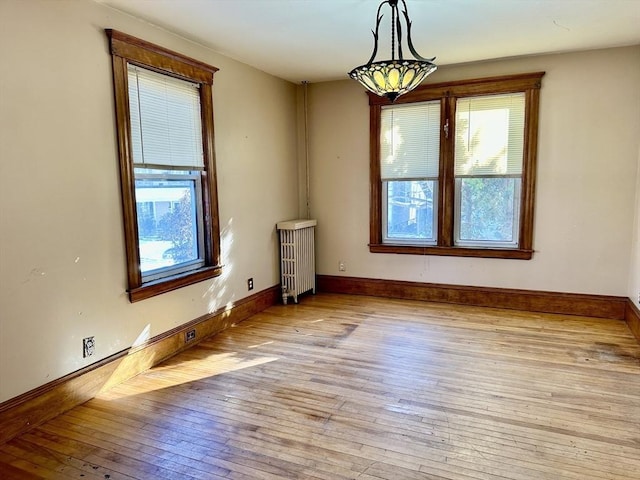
(165, 131)
(453, 169)
(409, 166)
(488, 155)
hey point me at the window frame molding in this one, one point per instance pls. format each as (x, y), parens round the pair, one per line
(448, 93)
(128, 49)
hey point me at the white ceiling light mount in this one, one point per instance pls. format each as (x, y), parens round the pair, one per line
(395, 77)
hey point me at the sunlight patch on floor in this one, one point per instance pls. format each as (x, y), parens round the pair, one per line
(168, 376)
(260, 344)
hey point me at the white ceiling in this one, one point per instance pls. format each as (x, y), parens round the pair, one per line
(318, 40)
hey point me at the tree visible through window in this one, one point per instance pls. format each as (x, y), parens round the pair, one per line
(453, 168)
(164, 119)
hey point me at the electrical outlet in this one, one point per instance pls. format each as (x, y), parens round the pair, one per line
(88, 347)
(190, 336)
(250, 284)
(341, 266)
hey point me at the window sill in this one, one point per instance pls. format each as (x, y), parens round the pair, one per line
(517, 254)
(168, 284)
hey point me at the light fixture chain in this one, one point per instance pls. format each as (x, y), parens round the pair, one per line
(393, 31)
(399, 27)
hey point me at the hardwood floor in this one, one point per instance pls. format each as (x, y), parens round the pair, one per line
(352, 387)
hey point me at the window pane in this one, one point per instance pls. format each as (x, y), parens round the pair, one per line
(165, 119)
(487, 210)
(410, 210)
(410, 141)
(167, 222)
(489, 135)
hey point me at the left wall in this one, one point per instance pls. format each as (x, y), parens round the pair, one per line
(62, 261)
(634, 274)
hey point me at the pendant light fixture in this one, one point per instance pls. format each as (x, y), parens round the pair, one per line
(395, 77)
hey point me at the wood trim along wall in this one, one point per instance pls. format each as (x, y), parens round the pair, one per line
(35, 407)
(600, 306)
(632, 317)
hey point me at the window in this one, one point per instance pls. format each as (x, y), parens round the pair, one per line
(409, 168)
(164, 118)
(453, 169)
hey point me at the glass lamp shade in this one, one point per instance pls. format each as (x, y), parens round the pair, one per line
(392, 78)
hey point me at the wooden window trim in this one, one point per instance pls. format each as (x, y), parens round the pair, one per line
(127, 49)
(448, 93)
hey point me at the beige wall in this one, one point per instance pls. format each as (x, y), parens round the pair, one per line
(634, 274)
(62, 265)
(588, 155)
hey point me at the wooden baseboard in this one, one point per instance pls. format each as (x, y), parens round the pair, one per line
(35, 407)
(632, 317)
(600, 306)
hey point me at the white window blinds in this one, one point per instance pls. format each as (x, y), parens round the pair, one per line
(489, 135)
(410, 141)
(165, 117)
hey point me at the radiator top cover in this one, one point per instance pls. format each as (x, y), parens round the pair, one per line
(296, 224)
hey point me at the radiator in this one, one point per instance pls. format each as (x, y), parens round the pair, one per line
(297, 258)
